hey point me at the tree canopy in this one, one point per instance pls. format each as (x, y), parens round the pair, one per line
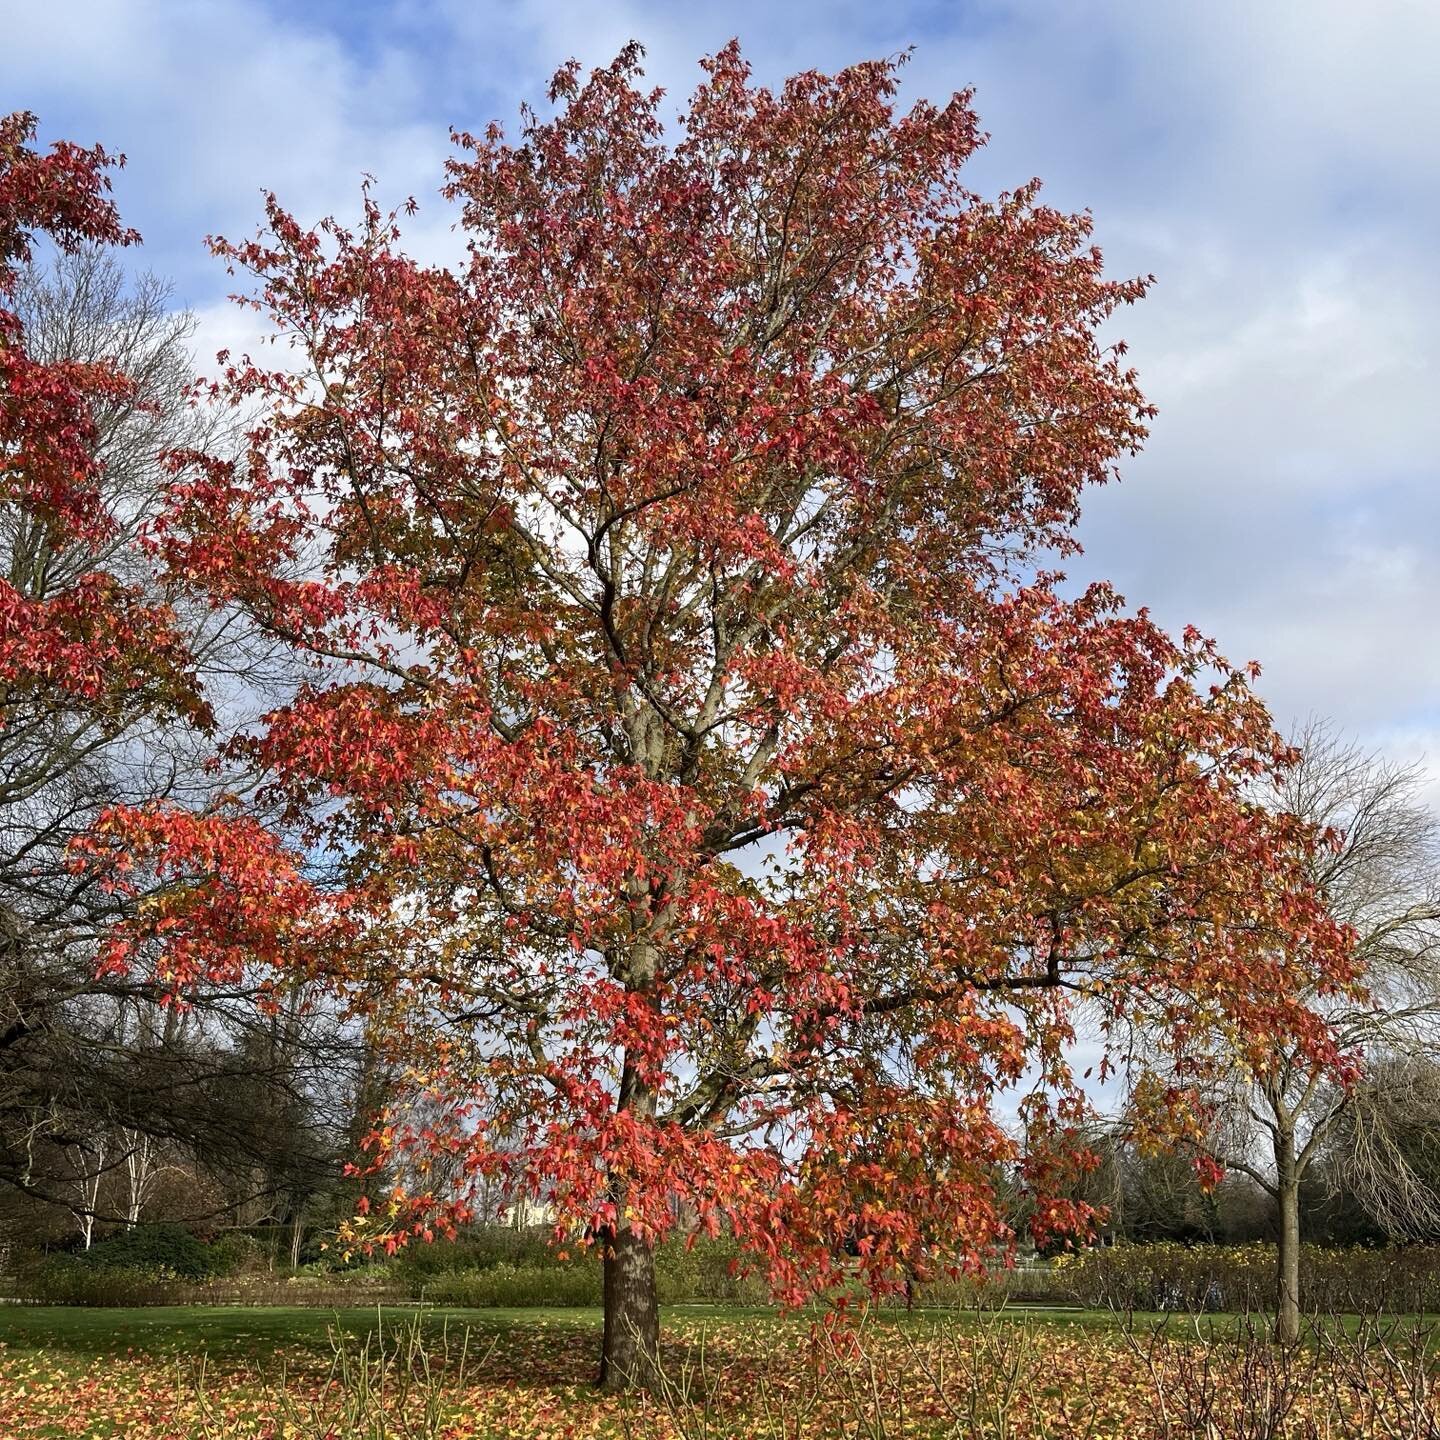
(699, 782)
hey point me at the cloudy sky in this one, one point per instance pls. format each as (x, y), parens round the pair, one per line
(1276, 166)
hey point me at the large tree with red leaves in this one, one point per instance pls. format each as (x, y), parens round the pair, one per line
(720, 804)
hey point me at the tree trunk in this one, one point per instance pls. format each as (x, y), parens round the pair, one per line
(137, 1170)
(630, 1349)
(630, 1346)
(89, 1187)
(1287, 1276)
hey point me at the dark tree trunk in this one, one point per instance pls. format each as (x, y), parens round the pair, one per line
(630, 1349)
(1287, 1277)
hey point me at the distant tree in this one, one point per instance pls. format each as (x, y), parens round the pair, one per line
(1381, 1158)
(1162, 1198)
(1148, 1192)
(1279, 1114)
(88, 652)
(109, 677)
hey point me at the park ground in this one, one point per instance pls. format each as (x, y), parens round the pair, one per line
(201, 1373)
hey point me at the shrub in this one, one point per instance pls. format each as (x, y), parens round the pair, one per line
(483, 1248)
(1396, 1279)
(356, 1272)
(525, 1269)
(158, 1250)
(405, 1382)
(236, 1253)
(67, 1280)
(708, 1270)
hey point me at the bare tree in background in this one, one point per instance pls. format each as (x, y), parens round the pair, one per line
(1382, 1156)
(1382, 878)
(92, 1160)
(95, 1067)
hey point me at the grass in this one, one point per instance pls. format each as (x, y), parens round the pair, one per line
(255, 1329)
(254, 1333)
(243, 1331)
(233, 1373)
(140, 1372)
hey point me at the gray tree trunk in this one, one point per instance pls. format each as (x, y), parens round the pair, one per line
(1287, 1270)
(630, 1348)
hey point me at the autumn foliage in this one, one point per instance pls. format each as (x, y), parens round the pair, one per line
(700, 783)
(94, 642)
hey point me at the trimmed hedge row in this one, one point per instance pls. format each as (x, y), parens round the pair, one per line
(166, 1264)
(496, 1267)
(516, 1285)
(1397, 1279)
(704, 1272)
(60, 1281)
(516, 1268)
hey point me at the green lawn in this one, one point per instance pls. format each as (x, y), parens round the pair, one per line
(232, 1371)
(241, 1329)
(259, 1330)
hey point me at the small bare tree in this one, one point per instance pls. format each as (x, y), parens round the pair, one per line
(1382, 878)
(90, 1156)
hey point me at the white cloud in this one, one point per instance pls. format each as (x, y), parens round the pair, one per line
(1275, 165)
(214, 103)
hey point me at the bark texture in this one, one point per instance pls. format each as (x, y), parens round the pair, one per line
(1287, 1194)
(630, 1349)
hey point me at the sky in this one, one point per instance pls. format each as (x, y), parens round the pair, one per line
(1275, 166)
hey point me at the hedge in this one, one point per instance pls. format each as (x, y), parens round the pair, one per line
(519, 1268)
(489, 1269)
(1396, 1279)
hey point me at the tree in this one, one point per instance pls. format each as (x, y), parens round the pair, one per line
(71, 631)
(1383, 1157)
(1162, 1199)
(717, 804)
(85, 651)
(107, 675)
(1380, 877)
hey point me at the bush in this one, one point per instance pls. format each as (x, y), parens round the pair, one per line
(357, 1272)
(706, 1271)
(521, 1267)
(64, 1280)
(67, 1280)
(236, 1253)
(484, 1248)
(156, 1250)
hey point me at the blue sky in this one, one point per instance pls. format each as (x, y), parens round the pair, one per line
(1275, 165)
